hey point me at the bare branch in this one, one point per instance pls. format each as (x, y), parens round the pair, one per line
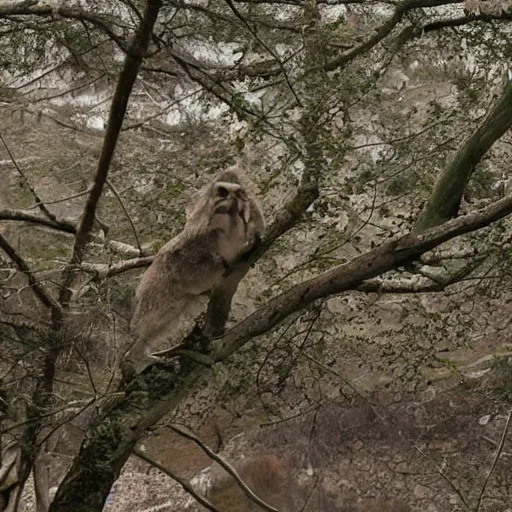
(102, 270)
(68, 227)
(39, 291)
(225, 465)
(39, 202)
(184, 483)
(495, 461)
(63, 199)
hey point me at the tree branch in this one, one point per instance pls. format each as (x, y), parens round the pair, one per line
(466, 20)
(127, 77)
(184, 483)
(39, 291)
(225, 465)
(102, 270)
(24, 216)
(392, 254)
(444, 203)
(34, 8)
(384, 30)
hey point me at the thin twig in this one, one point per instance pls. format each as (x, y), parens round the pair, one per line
(39, 202)
(39, 291)
(494, 443)
(67, 198)
(88, 368)
(450, 483)
(343, 379)
(68, 407)
(162, 111)
(118, 197)
(184, 483)
(225, 465)
(253, 32)
(495, 461)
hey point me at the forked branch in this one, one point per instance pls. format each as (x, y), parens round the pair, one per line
(135, 54)
(444, 203)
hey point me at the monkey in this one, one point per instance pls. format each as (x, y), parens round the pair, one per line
(224, 222)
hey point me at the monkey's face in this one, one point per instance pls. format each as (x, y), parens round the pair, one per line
(224, 204)
(230, 199)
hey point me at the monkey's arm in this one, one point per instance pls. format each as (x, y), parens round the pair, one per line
(257, 218)
(196, 266)
(219, 304)
(255, 226)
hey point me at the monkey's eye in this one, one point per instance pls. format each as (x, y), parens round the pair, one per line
(222, 192)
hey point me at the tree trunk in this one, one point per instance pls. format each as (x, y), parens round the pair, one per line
(114, 434)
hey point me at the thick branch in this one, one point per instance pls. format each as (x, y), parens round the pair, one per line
(134, 57)
(114, 435)
(445, 200)
(350, 275)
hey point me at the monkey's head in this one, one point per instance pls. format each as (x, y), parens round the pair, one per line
(224, 200)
